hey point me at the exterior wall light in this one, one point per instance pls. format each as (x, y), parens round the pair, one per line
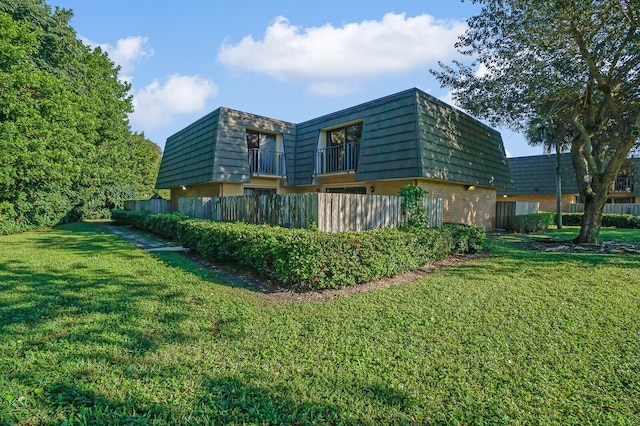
(469, 187)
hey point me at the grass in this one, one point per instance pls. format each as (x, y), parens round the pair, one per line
(93, 330)
(606, 234)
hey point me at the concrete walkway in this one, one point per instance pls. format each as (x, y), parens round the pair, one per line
(142, 240)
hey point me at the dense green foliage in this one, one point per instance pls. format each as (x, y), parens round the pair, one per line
(566, 67)
(608, 220)
(530, 222)
(94, 331)
(66, 151)
(308, 259)
(413, 205)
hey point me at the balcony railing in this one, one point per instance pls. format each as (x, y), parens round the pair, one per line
(336, 159)
(623, 184)
(269, 163)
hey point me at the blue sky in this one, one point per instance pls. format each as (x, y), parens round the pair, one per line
(285, 59)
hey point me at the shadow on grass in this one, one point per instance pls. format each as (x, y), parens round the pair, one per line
(220, 401)
(236, 403)
(77, 405)
(74, 290)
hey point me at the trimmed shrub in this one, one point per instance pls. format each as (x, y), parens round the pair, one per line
(308, 259)
(608, 220)
(527, 223)
(125, 217)
(572, 219)
(164, 224)
(621, 221)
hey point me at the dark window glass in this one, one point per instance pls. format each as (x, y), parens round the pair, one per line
(348, 190)
(253, 139)
(344, 135)
(354, 133)
(259, 191)
(335, 137)
(259, 140)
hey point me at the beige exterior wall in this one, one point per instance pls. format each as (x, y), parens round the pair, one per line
(193, 191)
(547, 201)
(216, 189)
(474, 206)
(622, 197)
(261, 182)
(471, 207)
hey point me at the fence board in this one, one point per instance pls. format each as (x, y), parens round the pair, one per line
(611, 208)
(151, 206)
(331, 212)
(507, 209)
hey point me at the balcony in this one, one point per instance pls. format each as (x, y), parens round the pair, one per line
(623, 184)
(336, 159)
(266, 163)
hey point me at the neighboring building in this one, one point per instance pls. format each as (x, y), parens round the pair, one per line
(534, 179)
(374, 148)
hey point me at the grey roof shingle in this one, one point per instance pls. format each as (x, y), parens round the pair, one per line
(409, 134)
(536, 175)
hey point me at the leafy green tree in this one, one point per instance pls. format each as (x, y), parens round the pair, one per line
(575, 63)
(66, 149)
(31, 103)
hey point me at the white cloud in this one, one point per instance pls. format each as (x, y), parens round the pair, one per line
(328, 56)
(157, 103)
(126, 53)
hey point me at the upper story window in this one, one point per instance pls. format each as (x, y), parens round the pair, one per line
(350, 134)
(338, 149)
(265, 154)
(261, 140)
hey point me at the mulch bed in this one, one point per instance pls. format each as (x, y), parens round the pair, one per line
(566, 246)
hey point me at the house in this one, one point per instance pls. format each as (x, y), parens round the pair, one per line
(534, 179)
(373, 148)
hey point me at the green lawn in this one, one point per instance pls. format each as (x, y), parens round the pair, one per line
(615, 234)
(93, 330)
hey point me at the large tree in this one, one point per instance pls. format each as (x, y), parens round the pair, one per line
(572, 63)
(66, 150)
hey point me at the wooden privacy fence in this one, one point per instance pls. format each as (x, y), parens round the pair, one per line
(151, 206)
(507, 209)
(621, 208)
(331, 212)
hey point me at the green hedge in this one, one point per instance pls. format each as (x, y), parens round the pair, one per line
(125, 217)
(608, 220)
(309, 259)
(530, 222)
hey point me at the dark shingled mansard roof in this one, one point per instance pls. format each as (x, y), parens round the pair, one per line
(409, 134)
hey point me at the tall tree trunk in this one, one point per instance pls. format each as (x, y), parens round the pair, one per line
(591, 220)
(558, 189)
